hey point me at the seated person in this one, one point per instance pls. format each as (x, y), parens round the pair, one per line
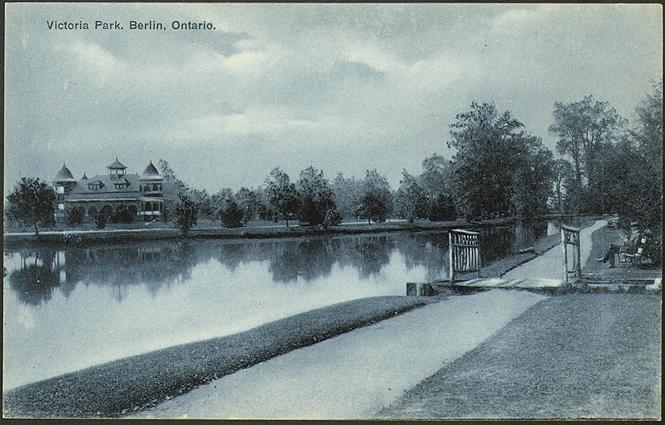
(614, 249)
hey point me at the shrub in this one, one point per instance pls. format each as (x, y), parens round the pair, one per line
(231, 215)
(100, 220)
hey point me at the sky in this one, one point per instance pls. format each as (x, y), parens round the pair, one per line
(342, 87)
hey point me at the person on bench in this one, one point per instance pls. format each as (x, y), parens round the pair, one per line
(614, 249)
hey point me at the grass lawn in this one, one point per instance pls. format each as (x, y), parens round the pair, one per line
(571, 356)
(126, 385)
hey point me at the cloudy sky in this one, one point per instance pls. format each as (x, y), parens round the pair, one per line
(343, 87)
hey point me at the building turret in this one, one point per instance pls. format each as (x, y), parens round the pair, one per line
(63, 183)
(116, 169)
(64, 180)
(150, 184)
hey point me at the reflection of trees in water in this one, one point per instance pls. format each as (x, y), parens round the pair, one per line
(429, 250)
(369, 254)
(117, 267)
(310, 259)
(36, 280)
(161, 264)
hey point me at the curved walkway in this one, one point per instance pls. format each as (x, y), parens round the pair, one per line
(355, 374)
(550, 265)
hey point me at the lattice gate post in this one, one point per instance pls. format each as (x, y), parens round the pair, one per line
(571, 236)
(463, 252)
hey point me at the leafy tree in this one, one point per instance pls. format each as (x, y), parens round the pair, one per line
(485, 160)
(563, 176)
(281, 194)
(248, 203)
(332, 218)
(585, 129)
(185, 214)
(637, 171)
(231, 215)
(315, 197)
(411, 201)
(532, 177)
(435, 178)
(169, 176)
(74, 216)
(348, 191)
(442, 208)
(203, 203)
(376, 198)
(31, 203)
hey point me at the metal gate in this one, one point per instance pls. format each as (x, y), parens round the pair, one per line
(464, 252)
(572, 267)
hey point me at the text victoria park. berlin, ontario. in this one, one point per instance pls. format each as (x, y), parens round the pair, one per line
(131, 25)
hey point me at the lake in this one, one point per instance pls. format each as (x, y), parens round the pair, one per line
(67, 308)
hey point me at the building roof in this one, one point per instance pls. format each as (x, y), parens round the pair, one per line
(64, 175)
(116, 165)
(150, 170)
(108, 189)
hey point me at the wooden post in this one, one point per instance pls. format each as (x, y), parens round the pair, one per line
(579, 256)
(451, 249)
(564, 247)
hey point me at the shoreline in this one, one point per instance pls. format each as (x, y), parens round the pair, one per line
(68, 237)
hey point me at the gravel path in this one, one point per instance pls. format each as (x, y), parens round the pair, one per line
(573, 356)
(550, 264)
(355, 374)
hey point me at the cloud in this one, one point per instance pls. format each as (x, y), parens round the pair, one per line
(345, 86)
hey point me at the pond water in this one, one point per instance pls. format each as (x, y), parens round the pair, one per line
(70, 308)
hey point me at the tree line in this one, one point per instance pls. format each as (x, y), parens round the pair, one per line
(498, 169)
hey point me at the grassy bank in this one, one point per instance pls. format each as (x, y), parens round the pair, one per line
(87, 236)
(572, 356)
(129, 384)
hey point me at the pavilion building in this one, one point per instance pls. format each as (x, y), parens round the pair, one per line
(142, 194)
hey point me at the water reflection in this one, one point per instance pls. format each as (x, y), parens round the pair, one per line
(161, 264)
(85, 305)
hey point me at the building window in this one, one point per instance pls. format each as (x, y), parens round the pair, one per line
(61, 189)
(61, 206)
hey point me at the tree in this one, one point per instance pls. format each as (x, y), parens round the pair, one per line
(488, 151)
(169, 176)
(640, 183)
(532, 177)
(231, 215)
(315, 197)
(563, 176)
(584, 129)
(411, 201)
(376, 198)
(436, 180)
(202, 201)
(185, 214)
(248, 203)
(348, 192)
(31, 203)
(74, 216)
(281, 194)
